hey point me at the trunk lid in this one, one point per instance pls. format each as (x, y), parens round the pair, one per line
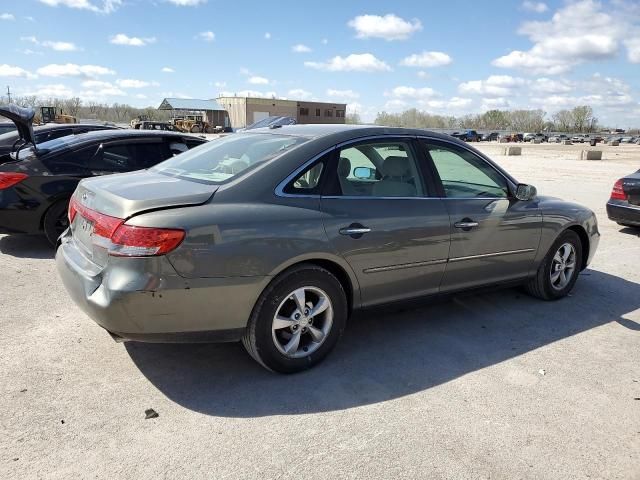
(631, 186)
(124, 195)
(102, 203)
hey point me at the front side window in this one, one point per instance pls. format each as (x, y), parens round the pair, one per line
(378, 169)
(113, 158)
(223, 159)
(464, 175)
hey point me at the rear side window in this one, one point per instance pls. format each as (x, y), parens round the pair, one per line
(113, 158)
(149, 154)
(72, 163)
(221, 160)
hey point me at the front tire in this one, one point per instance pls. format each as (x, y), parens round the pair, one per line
(559, 270)
(297, 320)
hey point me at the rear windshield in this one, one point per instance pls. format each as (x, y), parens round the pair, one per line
(220, 160)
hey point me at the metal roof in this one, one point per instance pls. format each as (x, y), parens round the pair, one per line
(189, 104)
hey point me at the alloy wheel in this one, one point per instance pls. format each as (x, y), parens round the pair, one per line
(302, 322)
(563, 266)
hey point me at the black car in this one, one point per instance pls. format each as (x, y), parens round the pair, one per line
(624, 205)
(39, 179)
(489, 137)
(43, 133)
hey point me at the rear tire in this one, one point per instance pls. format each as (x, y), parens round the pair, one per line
(272, 327)
(195, 129)
(56, 221)
(549, 284)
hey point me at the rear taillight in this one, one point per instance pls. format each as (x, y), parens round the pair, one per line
(132, 241)
(124, 240)
(9, 179)
(618, 192)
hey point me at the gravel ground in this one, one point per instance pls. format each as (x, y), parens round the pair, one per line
(497, 385)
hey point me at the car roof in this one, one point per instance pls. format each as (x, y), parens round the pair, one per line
(347, 131)
(59, 126)
(118, 134)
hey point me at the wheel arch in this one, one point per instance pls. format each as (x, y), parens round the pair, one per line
(584, 241)
(337, 267)
(52, 203)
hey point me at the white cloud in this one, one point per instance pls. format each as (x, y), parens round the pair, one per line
(167, 70)
(343, 94)
(133, 83)
(423, 75)
(537, 7)
(300, 48)
(578, 33)
(267, 36)
(324, 41)
(7, 16)
(140, 95)
(300, 94)
(403, 92)
(73, 70)
(187, 3)
(494, 86)
(207, 36)
(548, 85)
(60, 46)
(122, 39)
(495, 103)
(257, 80)
(96, 84)
(389, 27)
(13, 71)
(249, 93)
(54, 45)
(29, 19)
(57, 90)
(426, 60)
(104, 6)
(633, 49)
(356, 62)
(220, 84)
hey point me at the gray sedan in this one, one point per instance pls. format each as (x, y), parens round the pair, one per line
(275, 236)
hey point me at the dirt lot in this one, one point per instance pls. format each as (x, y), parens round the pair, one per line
(496, 385)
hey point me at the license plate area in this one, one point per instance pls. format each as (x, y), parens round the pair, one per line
(83, 232)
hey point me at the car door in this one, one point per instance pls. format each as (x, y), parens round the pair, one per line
(494, 236)
(380, 214)
(126, 156)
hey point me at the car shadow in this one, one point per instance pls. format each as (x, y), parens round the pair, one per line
(384, 356)
(631, 231)
(26, 246)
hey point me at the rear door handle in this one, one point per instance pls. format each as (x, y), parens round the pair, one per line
(354, 230)
(466, 224)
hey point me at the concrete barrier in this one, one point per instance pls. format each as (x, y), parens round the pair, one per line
(503, 140)
(591, 155)
(567, 142)
(511, 151)
(614, 144)
(537, 140)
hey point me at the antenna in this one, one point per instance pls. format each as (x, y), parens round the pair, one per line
(9, 93)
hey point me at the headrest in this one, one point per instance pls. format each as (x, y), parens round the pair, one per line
(344, 167)
(395, 166)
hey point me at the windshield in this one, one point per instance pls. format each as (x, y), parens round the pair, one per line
(221, 160)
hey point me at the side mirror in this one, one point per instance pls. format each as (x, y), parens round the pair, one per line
(364, 173)
(525, 192)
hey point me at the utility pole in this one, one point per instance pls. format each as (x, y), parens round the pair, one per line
(9, 93)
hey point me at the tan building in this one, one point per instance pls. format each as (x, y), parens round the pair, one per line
(244, 111)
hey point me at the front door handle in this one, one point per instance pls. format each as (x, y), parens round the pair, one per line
(354, 230)
(466, 224)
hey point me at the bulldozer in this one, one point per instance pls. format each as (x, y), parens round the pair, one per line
(51, 115)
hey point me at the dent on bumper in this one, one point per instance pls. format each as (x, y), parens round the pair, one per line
(144, 299)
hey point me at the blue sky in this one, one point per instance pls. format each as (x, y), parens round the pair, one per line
(451, 57)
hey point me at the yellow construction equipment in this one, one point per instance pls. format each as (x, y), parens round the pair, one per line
(51, 115)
